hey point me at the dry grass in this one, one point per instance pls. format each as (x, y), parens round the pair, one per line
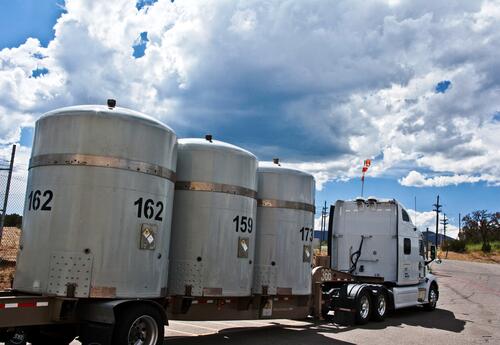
(9, 247)
(7, 270)
(475, 256)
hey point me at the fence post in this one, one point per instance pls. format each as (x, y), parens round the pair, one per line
(7, 190)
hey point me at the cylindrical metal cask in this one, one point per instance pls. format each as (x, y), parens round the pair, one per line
(213, 228)
(285, 222)
(98, 205)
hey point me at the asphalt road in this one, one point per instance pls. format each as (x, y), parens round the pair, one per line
(468, 313)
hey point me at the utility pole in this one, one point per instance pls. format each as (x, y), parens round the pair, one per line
(323, 222)
(427, 243)
(7, 189)
(459, 226)
(437, 208)
(445, 223)
(321, 231)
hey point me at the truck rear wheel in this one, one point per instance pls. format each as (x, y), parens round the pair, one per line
(380, 306)
(139, 324)
(363, 307)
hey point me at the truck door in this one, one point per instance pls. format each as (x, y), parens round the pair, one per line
(409, 253)
(421, 264)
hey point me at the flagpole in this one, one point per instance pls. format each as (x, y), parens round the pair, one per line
(366, 165)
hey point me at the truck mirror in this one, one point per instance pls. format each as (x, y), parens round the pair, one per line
(433, 252)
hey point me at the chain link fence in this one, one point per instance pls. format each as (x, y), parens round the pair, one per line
(11, 209)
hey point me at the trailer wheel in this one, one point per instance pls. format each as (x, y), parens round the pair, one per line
(139, 324)
(363, 307)
(433, 297)
(380, 307)
(16, 337)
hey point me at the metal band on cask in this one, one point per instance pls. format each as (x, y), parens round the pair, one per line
(103, 162)
(215, 187)
(293, 205)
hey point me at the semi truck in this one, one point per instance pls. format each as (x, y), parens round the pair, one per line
(378, 260)
(126, 227)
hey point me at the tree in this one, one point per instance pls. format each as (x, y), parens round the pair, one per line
(13, 220)
(481, 227)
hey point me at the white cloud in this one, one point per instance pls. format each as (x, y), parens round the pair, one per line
(416, 179)
(427, 220)
(324, 85)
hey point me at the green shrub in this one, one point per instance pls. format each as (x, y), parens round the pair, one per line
(458, 246)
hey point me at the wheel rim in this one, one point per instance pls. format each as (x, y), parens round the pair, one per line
(18, 337)
(144, 331)
(364, 307)
(381, 305)
(433, 297)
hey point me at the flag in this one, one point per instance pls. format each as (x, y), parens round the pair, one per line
(366, 165)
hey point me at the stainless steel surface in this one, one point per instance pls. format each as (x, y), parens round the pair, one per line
(214, 210)
(293, 205)
(285, 222)
(70, 268)
(103, 162)
(216, 188)
(90, 189)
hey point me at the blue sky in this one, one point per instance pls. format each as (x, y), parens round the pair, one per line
(20, 19)
(321, 85)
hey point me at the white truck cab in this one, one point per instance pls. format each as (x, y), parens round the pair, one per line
(375, 242)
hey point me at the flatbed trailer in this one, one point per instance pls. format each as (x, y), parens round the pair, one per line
(336, 296)
(43, 319)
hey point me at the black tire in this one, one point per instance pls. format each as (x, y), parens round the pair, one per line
(137, 322)
(363, 307)
(432, 298)
(380, 307)
(16, 337)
